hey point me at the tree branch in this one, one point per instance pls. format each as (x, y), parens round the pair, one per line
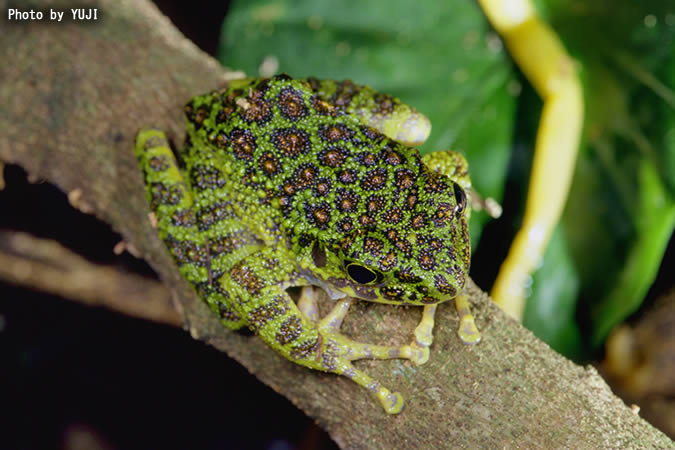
(49, 267)
(73, 96)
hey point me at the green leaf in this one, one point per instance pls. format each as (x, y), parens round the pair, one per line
(619, 216)
(551, 316)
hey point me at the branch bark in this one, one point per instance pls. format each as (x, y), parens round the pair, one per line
(49, 267)
(73, 96)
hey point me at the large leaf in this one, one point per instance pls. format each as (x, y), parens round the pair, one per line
(620, 213)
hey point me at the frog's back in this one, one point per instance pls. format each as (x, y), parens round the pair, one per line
(305, 169)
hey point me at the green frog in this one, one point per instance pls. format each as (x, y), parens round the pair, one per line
(284, 182)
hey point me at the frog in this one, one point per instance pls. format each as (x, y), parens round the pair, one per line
(315, 185)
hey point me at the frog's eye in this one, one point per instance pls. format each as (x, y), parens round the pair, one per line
(360, 274)
(460, 198)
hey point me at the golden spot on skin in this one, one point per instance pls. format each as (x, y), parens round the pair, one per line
(345, 225)
(289, 188)
(306, 175)
(346, 200)
(332, 157)
(323, 107)
(392, 216)
(183, 218)
(372, 245)
(334, 133)
(404, 247)
(157, 163)
(417, 221)
(412, 200)
(261, 315)
(221, 140)
(426, 260)
(289, 331)
(291, 141)
(393, 158)
(247, 279)
(323, 187)
(243, 143)
(374, 180)
(388, 262)
(443, 214)
(291, 104)
(444, 286)
(269, 163)
(435, 184)
(257, 110)
(405, 178)
(374, 204)
(201, 114)
(321, 216)
(365, 219)
(368, 159)
(347, 176)
(384, 103)
(346, 204)
(428, 300)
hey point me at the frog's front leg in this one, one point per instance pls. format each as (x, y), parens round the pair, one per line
(454, 166)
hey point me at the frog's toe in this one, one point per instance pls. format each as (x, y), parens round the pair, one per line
(416, 353)
(393, 403)
(468, 332)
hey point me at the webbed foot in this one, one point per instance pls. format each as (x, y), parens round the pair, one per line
(345, 350)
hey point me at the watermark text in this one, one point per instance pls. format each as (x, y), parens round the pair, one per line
(53, 15)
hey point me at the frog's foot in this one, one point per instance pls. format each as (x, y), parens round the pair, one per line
(468, 332)
(417, 351)
(392, 402)
(346, 350)
(343, 350)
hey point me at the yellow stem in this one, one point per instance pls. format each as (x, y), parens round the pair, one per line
(541, 56)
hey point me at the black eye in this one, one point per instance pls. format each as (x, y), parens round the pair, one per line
(460, 197)
(360, 274)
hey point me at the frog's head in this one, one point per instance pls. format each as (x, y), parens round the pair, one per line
(418, 255)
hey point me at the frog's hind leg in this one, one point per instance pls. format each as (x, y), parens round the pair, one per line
(273, 315)
(417, 351)
(172, 207)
